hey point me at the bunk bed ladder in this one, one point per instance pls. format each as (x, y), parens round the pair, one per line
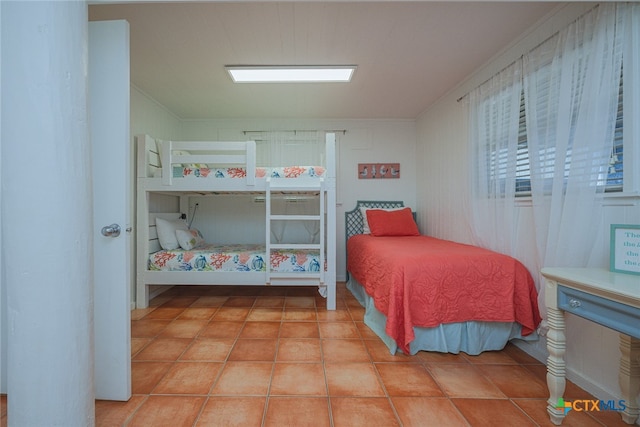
(297, 185)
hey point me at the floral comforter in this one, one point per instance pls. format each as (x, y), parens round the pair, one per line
(280, 172)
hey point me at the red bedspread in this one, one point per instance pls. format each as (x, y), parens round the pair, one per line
(423, 281)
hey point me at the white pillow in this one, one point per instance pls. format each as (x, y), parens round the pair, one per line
(189, 239)
(365, 223)
(166, 230)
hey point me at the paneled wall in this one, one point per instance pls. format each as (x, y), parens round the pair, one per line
(443, 183)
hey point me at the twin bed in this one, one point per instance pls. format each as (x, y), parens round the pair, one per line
(169, 252)
(423, 293)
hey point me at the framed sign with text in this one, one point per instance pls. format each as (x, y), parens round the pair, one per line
(625, 249)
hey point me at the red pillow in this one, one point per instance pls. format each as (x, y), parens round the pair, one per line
(392, 223)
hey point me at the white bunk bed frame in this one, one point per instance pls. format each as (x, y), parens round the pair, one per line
(155, 155)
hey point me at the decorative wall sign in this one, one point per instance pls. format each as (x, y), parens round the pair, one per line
(378, 170)
(625, 249)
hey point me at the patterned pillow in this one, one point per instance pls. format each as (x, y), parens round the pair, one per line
(189, 239)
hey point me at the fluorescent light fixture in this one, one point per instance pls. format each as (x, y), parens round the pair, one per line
(290, 74)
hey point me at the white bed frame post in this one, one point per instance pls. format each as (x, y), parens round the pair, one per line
(144, 144)
(330, 186)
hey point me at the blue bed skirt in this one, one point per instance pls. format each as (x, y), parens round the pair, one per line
(470, 337)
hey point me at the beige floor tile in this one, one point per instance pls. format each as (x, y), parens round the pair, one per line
(298, 379)
(113, 413)
(168, 411)
(353, 379)
(299, 350)
(515, 381)
(300, 314)
(379, 352)
(244, 378)
(231, 313)
(345, 350)
(208, 349)
(240, 411)
(164, 349)
(189, 378)
(198, 313)
(260, 330)
(297, 412)
(299, 302)
(342, 330)
(492, 413)
(421, 411)
(221, 329)
(457, 380)
(362, 412)
(146, 375)
(256, 350)
(240, 301)
(183, 328)
(265, 314)
(148, 328)
(407, 379)
(299, 330)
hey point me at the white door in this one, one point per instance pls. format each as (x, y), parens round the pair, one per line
(110, 135)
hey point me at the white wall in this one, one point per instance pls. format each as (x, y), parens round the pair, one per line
(442, 195)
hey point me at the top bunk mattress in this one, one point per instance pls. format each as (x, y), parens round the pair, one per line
(203, 171)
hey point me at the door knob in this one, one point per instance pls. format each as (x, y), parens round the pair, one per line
(112, 230)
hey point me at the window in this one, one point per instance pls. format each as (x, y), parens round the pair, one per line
(616, 164)
(614, 178)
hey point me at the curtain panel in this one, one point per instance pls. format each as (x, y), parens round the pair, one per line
(566, 90)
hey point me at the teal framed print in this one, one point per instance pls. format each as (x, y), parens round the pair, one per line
(625, 249)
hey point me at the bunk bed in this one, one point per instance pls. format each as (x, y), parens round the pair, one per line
(185, 169)
(423, 293)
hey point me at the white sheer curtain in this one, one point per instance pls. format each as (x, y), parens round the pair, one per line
(289, 148)
(571, 95)
(494, 122)
(570, 85)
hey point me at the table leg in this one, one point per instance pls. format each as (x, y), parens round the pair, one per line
(556, 345)
(629, 377)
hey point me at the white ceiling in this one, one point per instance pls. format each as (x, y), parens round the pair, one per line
(408, 54)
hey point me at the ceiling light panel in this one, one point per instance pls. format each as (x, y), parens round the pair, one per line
(291, 74)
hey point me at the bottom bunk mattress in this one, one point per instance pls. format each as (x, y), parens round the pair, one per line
(423, 282)
(235, 257)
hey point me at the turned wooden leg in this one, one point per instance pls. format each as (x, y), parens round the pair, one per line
(629, 377)
(556, 345)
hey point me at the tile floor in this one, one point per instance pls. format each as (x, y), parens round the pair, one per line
(267, 356)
